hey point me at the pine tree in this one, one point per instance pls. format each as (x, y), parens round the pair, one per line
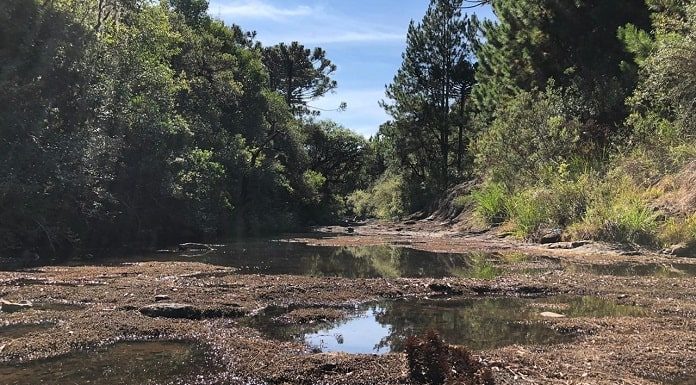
(299, 74)
(434, 78)
(575, 43)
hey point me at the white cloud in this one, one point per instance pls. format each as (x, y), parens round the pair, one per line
(309, 24)
(256, 9)
(349, 37)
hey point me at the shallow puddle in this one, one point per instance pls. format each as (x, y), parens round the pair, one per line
(383, 327)
(59, 306)
(628, 269)
(19, 330)
(121, 363)
(278, 257)
(479, 324)
(588, 306)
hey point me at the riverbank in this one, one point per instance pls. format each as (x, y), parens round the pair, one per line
(80, 307)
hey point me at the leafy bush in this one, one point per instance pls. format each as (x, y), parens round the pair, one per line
(384, 200)
(530, 134)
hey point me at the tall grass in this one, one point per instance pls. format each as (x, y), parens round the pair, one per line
(490, 202)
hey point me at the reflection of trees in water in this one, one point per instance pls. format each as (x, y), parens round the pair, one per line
(392, 262)
(352, 262)
(267, 322)
(588, 306)
(478, 324)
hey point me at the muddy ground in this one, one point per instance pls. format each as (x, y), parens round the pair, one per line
(85, 306)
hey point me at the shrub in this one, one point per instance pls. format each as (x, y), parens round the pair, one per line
(531, 133)
(383, 200)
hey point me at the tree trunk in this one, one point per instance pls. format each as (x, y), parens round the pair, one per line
(460, 144)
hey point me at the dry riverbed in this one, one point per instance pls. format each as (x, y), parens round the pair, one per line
(84, 307)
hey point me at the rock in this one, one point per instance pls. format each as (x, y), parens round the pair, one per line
(11, 307)
(567, 245)
(560, 245)
(171, 310)
(553, 236)
(161, 297)
(445, 288)
(350, 230)
(410, 223)
(683, 250)
(550, 314)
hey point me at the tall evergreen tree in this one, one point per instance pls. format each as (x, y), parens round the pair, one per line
(299, 74)
(574, 43)
(428, 92)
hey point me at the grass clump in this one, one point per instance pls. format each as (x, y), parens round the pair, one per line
(491, 202)
(678, 230)
(619, 211)
(528, 213)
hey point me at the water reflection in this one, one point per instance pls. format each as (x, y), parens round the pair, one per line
(351, 262)
(269, 257)
(21, 329)
(383, 327)
(122, 363)
(629, 269)
(589, 306)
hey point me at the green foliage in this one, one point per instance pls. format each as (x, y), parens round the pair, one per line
(662, 104)
(532, 137)
(383, 200)
(528, 213)
(532, 42)
(315, 182)
(490, 202)
(618, 211)
(678, 230)
(47, 98)
(126, 121)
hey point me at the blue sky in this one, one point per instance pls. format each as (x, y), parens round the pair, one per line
(364, 38)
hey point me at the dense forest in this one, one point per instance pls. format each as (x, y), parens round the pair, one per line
(149, 122)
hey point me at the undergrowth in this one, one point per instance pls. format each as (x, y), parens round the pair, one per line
(617, 205)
